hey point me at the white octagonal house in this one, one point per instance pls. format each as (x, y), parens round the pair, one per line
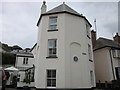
(64, 57)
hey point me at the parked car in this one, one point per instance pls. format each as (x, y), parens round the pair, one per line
(2, 79)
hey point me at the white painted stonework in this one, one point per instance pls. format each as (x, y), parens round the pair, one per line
(72, 41)
(22, 67)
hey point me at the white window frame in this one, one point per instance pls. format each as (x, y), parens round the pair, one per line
(52, 24)
(55, 48)
(116, 53)
(91, 78)
(87, 30)
(50, 78)
(89, 52)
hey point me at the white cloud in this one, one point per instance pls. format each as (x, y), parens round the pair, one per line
(20, 18)
(19, 23)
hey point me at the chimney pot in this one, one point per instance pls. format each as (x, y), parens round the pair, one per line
(44, 7)
(117, 38)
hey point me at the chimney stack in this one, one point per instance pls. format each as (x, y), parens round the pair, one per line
(117, 38)
(43, 8)
(93, 36)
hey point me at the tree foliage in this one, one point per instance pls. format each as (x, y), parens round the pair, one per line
(8, 59)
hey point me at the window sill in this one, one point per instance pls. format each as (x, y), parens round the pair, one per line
(52, 30)
(90, 60)
(88, 36)
(51, 57)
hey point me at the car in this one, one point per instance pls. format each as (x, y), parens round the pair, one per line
(2, 79)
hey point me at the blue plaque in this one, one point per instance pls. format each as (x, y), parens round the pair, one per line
(75, 58)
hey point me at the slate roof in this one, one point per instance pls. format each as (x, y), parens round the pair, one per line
(63, 8)
(103, 42)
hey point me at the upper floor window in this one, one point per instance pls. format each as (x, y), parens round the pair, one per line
(116, 53)
(89, 52)
(52, 50)
(25, 60)
(53, 23)
(87, 30)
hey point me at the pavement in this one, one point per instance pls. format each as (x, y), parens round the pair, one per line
(33, 89)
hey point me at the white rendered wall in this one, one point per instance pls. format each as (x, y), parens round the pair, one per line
(70, 74)
(103, 68)
(76, 43)
(43, 63)
(19, 62)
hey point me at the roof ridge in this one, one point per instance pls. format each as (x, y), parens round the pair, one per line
(63, 7)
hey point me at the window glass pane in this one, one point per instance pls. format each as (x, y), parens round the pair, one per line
(53, 27)
(53, 20)
(24, 61)
(53, 82)
(49, 82)
(53, 23)
(49, 73)
(50, 51)
(113, 53)
(52, 47)
(52, 43)
(89, 51)
(53, 73)
(54, 50)
(118, 53)
(87, 30)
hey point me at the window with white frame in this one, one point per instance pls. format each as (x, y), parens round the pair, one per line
(51, 78)
(52, 23)
(52, 49)
(25, 60)
(89, 52)
(116, 53)
(87, 30)
(91, 78)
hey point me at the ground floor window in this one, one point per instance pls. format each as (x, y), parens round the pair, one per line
(51, 78)
(117, 69)
(91, 78)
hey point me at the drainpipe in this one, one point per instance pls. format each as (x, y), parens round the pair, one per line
(112, 64)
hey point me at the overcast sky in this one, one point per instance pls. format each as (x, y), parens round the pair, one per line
(19, 19)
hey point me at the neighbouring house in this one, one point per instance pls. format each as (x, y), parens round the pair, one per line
(64, 54)
(107, 59)
(25, 63)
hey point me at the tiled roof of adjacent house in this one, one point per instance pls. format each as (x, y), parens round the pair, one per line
(103, 42)
(63, 8)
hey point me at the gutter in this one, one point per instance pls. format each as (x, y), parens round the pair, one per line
(112, 64)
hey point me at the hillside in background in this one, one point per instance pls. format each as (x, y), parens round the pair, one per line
(8, 54)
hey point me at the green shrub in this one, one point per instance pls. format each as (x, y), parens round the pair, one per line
(27, 80)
